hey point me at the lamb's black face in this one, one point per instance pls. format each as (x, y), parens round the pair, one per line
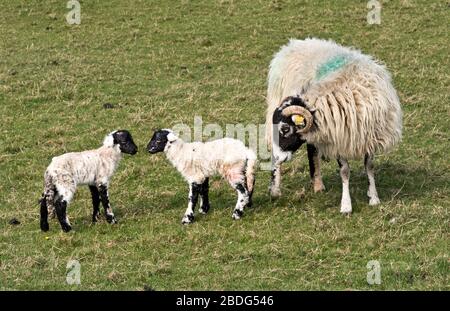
(285, 129)
(125, 141)
(158, 141)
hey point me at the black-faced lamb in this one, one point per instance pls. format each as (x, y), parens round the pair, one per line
(198, 161)
(337, 100)
(93, 168)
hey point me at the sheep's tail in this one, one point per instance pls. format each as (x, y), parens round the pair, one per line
(250, 171)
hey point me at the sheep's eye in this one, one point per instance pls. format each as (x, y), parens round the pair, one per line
(158, 141)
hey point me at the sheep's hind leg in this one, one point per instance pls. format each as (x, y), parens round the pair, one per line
(204, 197)
(44, 213)
(95, 194)
(61, 213)
(346, 203)
(314, 168)
(103, 190)
(194, 191)
(372, 192)
(243, 200)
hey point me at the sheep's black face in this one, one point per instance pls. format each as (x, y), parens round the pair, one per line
(158, 141)
(284, 129)
(125, 141)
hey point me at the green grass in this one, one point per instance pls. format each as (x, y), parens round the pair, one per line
(162, 62)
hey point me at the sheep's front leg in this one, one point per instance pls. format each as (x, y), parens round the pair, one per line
(95, 203)
(194, 191)
(275, 180)
(278, 157)
(314, 168)
(103, 190)
(346, 203)
(372, 192)
(243, 200)
(204, 197)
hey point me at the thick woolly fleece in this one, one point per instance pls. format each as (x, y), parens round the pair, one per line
(357, 112)
(357, 108)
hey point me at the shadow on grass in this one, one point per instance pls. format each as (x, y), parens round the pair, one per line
(395, 182)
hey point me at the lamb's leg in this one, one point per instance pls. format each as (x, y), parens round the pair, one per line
(243, 200)
(60, 208)
(194, 191)
(49, 196)
(95, 202)
(103, 190)
(372, 192)
(314, 168)
(204, 197)
(346, 203)
(44, 213)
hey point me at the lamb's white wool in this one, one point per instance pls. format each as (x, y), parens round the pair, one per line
(90, 167)
(93, 167)
(198, 161)
(357, 112)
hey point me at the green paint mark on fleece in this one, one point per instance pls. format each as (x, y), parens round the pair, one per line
(331, 65)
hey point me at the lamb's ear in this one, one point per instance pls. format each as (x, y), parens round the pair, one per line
(171, 137)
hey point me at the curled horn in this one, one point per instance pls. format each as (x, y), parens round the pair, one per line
(293, 110)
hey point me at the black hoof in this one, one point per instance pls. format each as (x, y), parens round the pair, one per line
(66, 227)
(44, 226)
(187, 219)
(204, 209)
(237, 214)
(111, 219)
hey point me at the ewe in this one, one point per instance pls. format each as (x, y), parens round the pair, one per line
(337, 100)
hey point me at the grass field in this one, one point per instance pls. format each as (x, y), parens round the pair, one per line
(160, 63)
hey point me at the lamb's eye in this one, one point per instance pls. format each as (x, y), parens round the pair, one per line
(158, 141)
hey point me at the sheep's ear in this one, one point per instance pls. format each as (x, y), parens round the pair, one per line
(171, 137)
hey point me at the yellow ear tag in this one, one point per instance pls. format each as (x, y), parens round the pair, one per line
(298, 119)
